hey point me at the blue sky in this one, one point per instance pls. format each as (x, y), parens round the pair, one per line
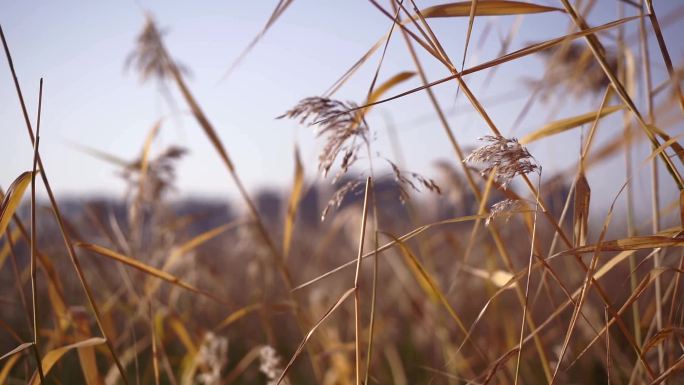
(80, 47)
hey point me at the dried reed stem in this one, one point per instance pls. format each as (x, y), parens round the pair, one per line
(58, 216)
(357, 284)
(169, 67)
(34, 232)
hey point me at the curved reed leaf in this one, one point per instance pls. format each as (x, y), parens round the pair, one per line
(53, 356)
(563, 125)
(486, 8)
(13, 198)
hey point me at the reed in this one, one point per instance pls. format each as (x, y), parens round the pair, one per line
(488, 274)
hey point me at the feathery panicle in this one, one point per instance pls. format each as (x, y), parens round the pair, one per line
(211, 358)
(504, 209)
(506, 157)
(411, 180)
(160, 173)
(337, 198)
(149, 57)
(270, 365)
(345, 132)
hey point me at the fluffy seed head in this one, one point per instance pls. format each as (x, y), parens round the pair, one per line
(344, 131)
(506, 157)
(211, 358)
(504, 209)
(270, 365)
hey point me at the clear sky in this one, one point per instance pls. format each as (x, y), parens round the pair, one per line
(80, 47)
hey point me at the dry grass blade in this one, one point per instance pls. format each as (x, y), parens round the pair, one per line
(86, 354)
(357, 284)
(681, 208)
(242, 312)
(277, 12)
(155, 352)
(238, 314)
(18, 349)
(152, 50)
(590, 280)
(242, 365)
(634, 296)
(343, 79)
(183, 335)
(53, 356)
(293, 203)
(639, 290)
(526, 303)
(613, 262)
(102, 155)
(471, 22)
(674, 78)
(12, 199)
(599, 54)
(155, 51)
(144, 166)
(661, 335)
(677, 366)
(432, 290)
(7, 368)
(498, 364)
(508, 285)
(630, 243)
(580, 216)
(34, 237)
(388, 245)
(308, 335)
(563, 125)
(485, 8)
(148, 270)
(553, 292)
(575, 315)
(560, 308)
(506, 58)
(5, 250)
(57, 213)
(388, 84)
(669, 142)
(87, 359)
(197, 241)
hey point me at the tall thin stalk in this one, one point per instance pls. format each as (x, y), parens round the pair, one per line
(34, 232)
(58, 216)
(170, 66)
(655, 191)
(357, 284)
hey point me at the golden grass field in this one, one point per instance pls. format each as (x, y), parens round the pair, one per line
(496, 272)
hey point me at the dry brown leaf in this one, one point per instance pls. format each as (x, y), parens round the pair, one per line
(308, 335)
(427, 282)
(580, 215)
(661, 336)
(53, 356)
(13, 198)
(16, 350)
(293, 203)
(631, 243)
(146, 269)
(389, 83)
(498, 363)
(485, 8)
(4, 373)
(563, 125)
